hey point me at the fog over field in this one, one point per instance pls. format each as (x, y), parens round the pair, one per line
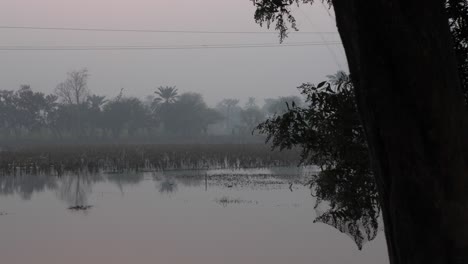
(217, 73)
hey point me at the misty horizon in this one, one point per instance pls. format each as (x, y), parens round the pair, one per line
(217, 73)
(145, 98)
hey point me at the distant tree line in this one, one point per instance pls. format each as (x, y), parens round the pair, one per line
(72, 112)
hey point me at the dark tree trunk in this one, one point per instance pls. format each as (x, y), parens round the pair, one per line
(410, 100)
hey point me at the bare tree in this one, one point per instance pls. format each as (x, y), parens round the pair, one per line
(74, 90)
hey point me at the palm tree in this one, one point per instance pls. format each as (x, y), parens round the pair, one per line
(96, 101)
(167, 94)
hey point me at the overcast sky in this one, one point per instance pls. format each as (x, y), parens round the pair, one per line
(216, 73)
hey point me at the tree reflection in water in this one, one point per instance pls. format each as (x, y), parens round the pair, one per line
(122, 179)
(167, 185)
(351, 210)
(329, 133)
(75, 189)
(26, 185)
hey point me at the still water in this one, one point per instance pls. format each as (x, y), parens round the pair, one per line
(216, 216)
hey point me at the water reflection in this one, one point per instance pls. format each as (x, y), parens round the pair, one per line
(121, 179)
(26, 185)
(75, 190)
(167, 185)
(224, 201)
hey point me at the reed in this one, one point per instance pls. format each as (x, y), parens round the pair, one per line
(57, 159)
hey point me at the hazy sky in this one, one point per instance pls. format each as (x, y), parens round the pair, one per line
(216, 73)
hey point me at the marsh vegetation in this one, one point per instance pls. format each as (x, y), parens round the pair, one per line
(59, 159)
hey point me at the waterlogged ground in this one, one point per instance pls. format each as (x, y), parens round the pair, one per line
(216, 216)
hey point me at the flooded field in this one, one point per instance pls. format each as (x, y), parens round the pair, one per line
(241, 215)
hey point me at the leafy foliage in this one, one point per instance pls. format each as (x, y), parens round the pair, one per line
(330, 135)
(279, 11)
(457, 11)
(79, 115)
(25, 109)
(168, 94)
(329, 132)
(188, 115)
(126, 113)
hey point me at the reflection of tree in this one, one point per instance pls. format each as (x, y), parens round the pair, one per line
(168, 185)
(125, 179)
(75, 189)
(191, 180)
(360, 223)
(26, 185)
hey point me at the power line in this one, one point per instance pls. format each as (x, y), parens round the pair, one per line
(153, 30)
(181, 46)
(178, 47)
(323, 39)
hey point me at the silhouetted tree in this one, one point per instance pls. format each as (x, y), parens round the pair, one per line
(457, 11)
(329, 132)
(24, 110)
(229, 107)
(409, 97)
(74, 90)
(251, 103)
(251, 115)
(92, 115)
(167, 95)
(7, 111)
(125, 114)
(30, 107)
(189, 115)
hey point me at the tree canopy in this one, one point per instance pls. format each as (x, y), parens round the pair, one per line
(329, 131)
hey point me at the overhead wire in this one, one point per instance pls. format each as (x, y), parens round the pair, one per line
(163, 47)
(152, 30)
(333, 20)
(333, 54)
(156, 47)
